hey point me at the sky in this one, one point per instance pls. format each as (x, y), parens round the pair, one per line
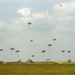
(50, 19)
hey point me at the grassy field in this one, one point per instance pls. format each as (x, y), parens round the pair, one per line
(37, 69)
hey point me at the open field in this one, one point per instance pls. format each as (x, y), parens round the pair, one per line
(37, 69)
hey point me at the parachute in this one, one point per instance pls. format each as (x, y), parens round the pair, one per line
(49, 44)
(68, 51)
(17, 51)
(43, 51)
(11, 48)
(29, 61)
(63, 51)
(60, 5)
(29, 23)
(31, 40)
(32, 56)
(1, 49)
(47, 59)
(54, 39)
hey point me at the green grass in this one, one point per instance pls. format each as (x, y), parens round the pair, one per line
(37, 69)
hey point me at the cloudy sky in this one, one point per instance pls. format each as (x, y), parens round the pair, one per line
(50, 19)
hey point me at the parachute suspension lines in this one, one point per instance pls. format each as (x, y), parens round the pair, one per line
(1, 50)
(60, 1)
(63, 51)
(11, 50)
(17, 51)
(68, 54)
(29, 24)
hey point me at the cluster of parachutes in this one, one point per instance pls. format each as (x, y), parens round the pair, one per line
(42, 51)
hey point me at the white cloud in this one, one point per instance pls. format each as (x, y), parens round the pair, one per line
(43, 15)
(39, 16)
(24, 11)
(1, 24)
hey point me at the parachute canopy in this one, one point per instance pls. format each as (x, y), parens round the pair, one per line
(68, 51)
(49, 44)
(63, 51)
(54, 39)
(17, 51)
(43, 51)
(11, 48)
(32, 56)
(29, 61)
(61, 5)
(47, 59)
(1, 49)
(29, 23)
(31, 40)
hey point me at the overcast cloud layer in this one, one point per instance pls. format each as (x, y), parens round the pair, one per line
(14, 0)
(57, 22)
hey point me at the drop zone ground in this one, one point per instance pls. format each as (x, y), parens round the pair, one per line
(37, 69)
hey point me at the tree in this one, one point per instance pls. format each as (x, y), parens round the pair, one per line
(69, 60)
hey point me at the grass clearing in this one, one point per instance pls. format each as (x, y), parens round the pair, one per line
(37, 69)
